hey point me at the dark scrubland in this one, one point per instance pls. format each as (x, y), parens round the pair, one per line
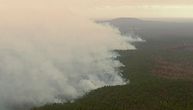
(160, 71)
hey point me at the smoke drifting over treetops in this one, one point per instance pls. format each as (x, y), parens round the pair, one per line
(53, 56)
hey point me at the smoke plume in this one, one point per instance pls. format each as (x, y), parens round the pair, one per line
(49, 56)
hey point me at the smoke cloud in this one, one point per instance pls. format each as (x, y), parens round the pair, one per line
(51, 56)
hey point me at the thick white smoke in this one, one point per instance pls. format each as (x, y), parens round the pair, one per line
(53, 57)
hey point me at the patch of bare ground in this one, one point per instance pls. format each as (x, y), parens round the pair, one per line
(174, 70)
(188, 47)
